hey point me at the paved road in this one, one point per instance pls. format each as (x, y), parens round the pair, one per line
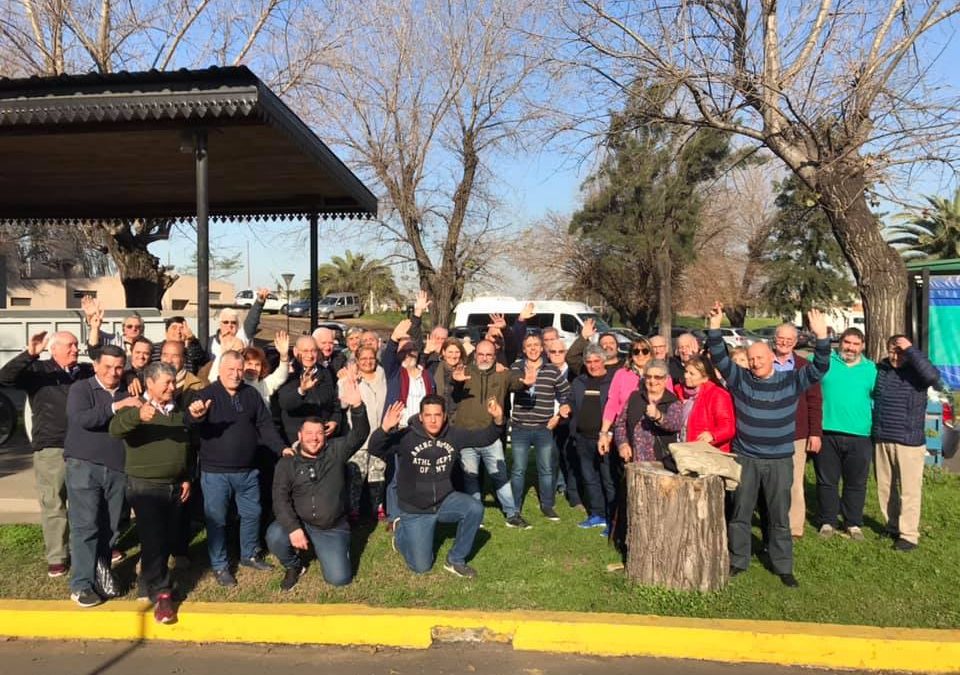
(108, 658)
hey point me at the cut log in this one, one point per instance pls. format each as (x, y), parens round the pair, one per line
(676, 531)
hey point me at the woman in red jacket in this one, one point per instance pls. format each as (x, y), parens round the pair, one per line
(707, 409)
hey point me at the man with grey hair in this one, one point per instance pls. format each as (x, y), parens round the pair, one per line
(686, 345)
(229, 325)
(309, 392)
(46, 383)
(809, 429)
(159, 464)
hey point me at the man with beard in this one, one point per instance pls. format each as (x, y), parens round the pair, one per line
(473, 386)
(606, 341)
(846, 449)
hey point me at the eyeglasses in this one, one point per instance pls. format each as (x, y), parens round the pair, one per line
(132, 325)
(656, 377)
(640, 350)
(483, 355)
(557, 351)
(229, 323)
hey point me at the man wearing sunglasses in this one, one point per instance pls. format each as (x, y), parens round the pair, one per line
(229, 325)
(97, 338)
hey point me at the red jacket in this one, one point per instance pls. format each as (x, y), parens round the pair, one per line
(713, 412)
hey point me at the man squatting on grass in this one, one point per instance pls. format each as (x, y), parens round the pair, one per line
(426, 453)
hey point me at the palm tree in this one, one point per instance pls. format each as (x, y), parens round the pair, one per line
(933, 233)
(356, 274)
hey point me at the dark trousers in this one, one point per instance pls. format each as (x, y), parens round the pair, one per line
(775, 477)
(158, 522)
(847, 458)
(569, 480)
(596, 478)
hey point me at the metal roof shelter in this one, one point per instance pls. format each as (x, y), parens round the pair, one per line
(186, 144)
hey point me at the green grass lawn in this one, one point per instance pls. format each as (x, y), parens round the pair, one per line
(556, 566)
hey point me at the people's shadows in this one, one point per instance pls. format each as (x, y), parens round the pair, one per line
(186, 579)
(446, 531)
(359, 536)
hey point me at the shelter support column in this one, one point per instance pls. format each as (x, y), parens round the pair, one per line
(314, 263)
(203, 238)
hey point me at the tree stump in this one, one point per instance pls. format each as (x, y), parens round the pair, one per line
(676, 531)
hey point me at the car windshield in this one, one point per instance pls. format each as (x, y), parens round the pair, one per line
(602, 325)
(329, 300)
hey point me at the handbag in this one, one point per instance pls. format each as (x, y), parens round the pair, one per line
(105, 582)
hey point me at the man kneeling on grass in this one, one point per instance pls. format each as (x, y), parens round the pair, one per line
(310, 496)
(426, 453)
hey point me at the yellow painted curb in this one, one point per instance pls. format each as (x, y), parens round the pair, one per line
(782, 643)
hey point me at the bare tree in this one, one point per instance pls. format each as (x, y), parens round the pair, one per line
(426, 97)
(840, 90)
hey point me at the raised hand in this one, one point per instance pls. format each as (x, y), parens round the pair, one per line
(422, 303)
(903, 344)
(495, 410)
(282, 342)
(262, 294)
(135, 388)
(468, 345)
(198, 409)
(589, 329)
(459, 374)
(392, 416)
(493, 333)
(147, 413)
(37, 343)
(185, 331)
(329, 428)
(527, 312)
(818, 323)
(498, 321)
(401, 330)
(308, 381)
(350, 393)
(716, 315)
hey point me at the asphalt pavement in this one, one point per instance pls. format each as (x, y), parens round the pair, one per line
(133, 658)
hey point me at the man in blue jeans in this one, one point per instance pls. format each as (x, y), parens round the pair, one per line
(530, 423)
(231, 418)
(310, 496)
(426, 452)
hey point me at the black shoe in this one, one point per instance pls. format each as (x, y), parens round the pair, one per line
(86, 598)
(734, 571)
(549, 513)
(291, 577)
(789, 580)
(224, 578)
(518, 522)
(257, 564)
(460, 569)
(903, 545)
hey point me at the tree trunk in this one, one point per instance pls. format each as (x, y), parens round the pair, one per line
(878, 269)
(144, 279)
(676, 532)
(736, 314)
(665, 293)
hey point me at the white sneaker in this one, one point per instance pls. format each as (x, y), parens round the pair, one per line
(826, 531)
(855, 533)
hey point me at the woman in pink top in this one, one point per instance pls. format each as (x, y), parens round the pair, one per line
(625, 381)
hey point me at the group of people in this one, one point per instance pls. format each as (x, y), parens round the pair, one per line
(293, 440)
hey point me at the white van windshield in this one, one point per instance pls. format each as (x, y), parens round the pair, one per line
(602, 326)
(329, 300)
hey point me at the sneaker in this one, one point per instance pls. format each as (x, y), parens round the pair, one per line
(903, 545)
(460, 569)
(549, 513)
(789, 580)
(165, 612)
(593, 521)
(381, 514)
(291, 577)
(826, 531)
(224, 578)
(518, 522)
(855, 533)
(58, 570)
(116, 555)
(86, 598)
(392, 527)
(257, 563)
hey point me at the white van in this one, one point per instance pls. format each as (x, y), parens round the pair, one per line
(567, 317)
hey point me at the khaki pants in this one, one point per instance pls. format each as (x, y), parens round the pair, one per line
(50, 472)
(798, 505)
(899, 483)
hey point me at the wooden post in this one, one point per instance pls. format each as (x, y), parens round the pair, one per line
(676, 531)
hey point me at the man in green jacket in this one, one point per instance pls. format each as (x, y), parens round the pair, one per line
(846, 449)
(159, 464)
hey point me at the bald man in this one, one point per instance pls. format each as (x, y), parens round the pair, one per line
(686, 346)
(46, 384)
(311, 391)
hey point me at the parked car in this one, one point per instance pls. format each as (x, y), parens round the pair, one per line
(339, 331)
(246, 298)
(475, 333)
(340, 304)
(942, 437)
(298, 308)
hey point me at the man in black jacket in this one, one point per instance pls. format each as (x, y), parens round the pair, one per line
(95, 470)
(426, 453)
(311, 391)
(232, 418)
(310, 497)
(899, 416)
(46, 384)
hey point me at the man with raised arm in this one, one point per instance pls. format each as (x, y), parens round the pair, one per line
(766, 410)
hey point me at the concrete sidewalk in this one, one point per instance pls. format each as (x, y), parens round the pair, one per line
(18, 495)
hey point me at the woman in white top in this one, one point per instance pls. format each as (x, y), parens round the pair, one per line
(256, 368)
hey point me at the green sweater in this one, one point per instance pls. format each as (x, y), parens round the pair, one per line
(848, 396)
(159, 450)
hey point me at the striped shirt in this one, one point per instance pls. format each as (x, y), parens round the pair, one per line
(766, 408)
(533, 406)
